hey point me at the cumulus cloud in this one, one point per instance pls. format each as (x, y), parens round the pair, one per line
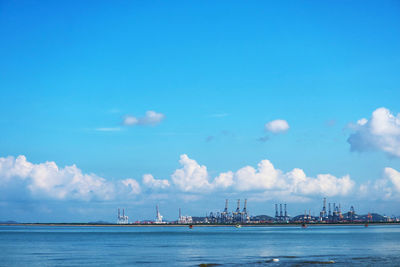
(267, 178)
(264, 177)
(394, 177)
(323, 184)
(132, 185)
(380, 132)
(47, 180)
(386, 188)
(151, 118)
(191, 177)
(224, 180)
(149, 181)
(277, 126)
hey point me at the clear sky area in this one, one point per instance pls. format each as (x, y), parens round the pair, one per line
(129, 104)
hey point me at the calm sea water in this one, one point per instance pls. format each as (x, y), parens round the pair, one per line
(181, 246)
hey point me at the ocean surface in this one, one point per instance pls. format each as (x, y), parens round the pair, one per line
(181, 246)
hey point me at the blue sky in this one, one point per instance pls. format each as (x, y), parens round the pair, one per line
(217, 72)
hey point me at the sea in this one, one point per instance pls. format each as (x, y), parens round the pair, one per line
(345, 245)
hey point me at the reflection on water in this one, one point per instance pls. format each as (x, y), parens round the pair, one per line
(180, 246)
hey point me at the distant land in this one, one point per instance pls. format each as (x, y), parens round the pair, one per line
(200, 224)
(258, 220)
(8, 222)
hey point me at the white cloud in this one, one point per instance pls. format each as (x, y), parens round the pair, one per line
(267, 178)
(149, 181)
(324, 185)
(224, 180)
(264, 177)
(47, 180)
(386, 188)
(277, 126)
(191, 177)
(133, 185)
(394, 177)
(362, 121)
(130, 120)
(151, 118)
(10, 167)
(381, 132)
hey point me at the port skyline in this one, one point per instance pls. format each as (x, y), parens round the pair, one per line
(330, 212)
(130, 214)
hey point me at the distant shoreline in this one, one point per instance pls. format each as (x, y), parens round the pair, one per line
(197, 225)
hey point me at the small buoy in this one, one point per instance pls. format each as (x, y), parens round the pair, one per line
(190, 226)
(275, 260)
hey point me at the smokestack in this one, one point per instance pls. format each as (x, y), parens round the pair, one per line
(330, 213)
(276, 210)
(238, 206)
(180, 215)
(245, 206)
(324, 207)
(119, 214)
(226, 206)
(280, 210)
(285, 211)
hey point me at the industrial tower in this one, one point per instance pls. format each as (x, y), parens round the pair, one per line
(122, 219)
(282, 215)
(245, 216)
(158, 216)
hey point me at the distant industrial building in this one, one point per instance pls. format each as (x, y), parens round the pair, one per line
(330, 213)
(122, 219)
(237, 216)
(159, 217)
(333, 214)
(184, 219)
(281, 216)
